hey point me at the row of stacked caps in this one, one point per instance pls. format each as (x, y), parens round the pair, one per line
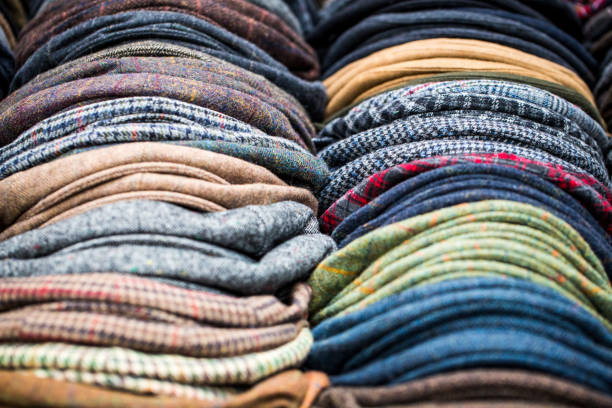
(470, 199)
(158, 220)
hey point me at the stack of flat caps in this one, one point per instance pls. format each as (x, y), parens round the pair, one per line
(599, 40)
(157, 175)
(471, 201)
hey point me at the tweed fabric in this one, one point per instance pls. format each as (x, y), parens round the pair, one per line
(129, 120)
(453, 185)
(231, 97)
(538, 32)
(502, 254)
(439, 56)
(350, 267)
(205, 69)
(27, 188)
(512, 98)
(564, 92)
(147, 182)
(115, 289)
(469, 126)
(465, 387)
(117, 328)
(311, 95)
(42, 193)
(114, 310)
(291, 389)
(464, 324)
(238, 370)
(581, 189)
(249, 21)
(133, 237)
(167, 26)
(349, 176)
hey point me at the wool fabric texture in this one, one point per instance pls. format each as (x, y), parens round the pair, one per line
(129, 120)
(292, 389)
(351, 268)
(44, 192)
(555, 44)
(564, 92)
(115, 289)
(464, 324)
(346, 177)
(167, 26)
(205, 68)
(468, 126)
(116, 323)
(249, 21)
(246, 369)
(470, 183)
(311, 95)
(165, 78)
(467, 387)
(439, 56)
(580, 188)
(157, 239)
(513, 98)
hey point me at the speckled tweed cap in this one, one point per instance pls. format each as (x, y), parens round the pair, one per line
(312, 95)
(142, 119)
(465, 324)
(488, 237)
(459, 184)
(190, 177)
(167, 26)
(117, 311)
(251, 250)
(439, 56)
(468, 387)
(502, 97)
(31, 388)
(591, 194)
(239, 94)
(490, 25)
(250, 22)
